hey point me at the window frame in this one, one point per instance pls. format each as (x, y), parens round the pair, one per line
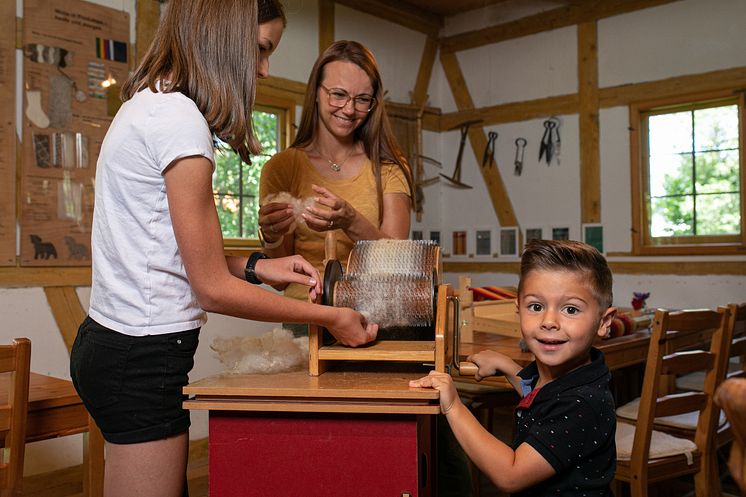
(642, 243)
(285, 109)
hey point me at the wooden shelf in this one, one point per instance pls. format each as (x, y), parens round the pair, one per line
(391, 350)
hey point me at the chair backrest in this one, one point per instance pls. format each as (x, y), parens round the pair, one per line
(737, 321)
(672, 332)
(15, 363)
(731, 396)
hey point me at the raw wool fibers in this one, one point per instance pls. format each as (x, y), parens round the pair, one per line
(298, 205)
(276, 351)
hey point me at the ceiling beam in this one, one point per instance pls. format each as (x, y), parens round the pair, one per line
(590, 148)
(326, 24)
(577, 13)
(401, 13)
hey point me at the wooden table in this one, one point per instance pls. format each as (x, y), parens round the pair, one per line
(341, 433)
(55, 410)
(619, 352)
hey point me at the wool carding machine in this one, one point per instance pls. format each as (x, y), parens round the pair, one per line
(396, 284)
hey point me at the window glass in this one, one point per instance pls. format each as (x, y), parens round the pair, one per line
(236, 184)
(691, 165)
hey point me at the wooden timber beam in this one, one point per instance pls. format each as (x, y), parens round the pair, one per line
(492, 179)
(429, 52)
(725, 79)
(283, 88)
(613, 96)
(326, 24)
(27, 277)
(514, 111)
(590, 153)
(148, 14)
(404, 15)
(570, 15)
(67, 311)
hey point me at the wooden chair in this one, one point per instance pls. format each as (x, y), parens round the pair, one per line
(685, 425)
(15, 359)
(645, 455)
(731, 396)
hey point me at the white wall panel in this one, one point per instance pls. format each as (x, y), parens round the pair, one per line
(525, 68)
(687, 37)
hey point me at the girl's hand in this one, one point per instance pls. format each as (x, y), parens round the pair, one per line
(352, 329)
(278, 273)
(274, 220)
(443, 383)
(335, 212)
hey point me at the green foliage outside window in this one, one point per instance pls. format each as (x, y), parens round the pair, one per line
(693, 167)
(236, 184)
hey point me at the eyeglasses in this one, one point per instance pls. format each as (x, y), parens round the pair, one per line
(339, 98)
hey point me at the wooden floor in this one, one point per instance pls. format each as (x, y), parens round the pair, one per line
(68, 482)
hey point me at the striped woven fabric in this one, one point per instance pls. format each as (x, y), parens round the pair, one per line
(480, 293)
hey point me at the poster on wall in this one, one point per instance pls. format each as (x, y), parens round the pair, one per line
(75, 57)
(7, 134)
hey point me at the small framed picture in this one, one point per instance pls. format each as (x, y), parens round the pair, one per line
(508, 241)
(562, 233)
(416, 235)
(534, 234)
(458, 243)
(435, 236)
(593, 235)
(484, 242)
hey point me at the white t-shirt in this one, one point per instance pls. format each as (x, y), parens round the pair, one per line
(139, 285)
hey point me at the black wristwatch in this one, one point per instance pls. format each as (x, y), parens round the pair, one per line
(249, 272)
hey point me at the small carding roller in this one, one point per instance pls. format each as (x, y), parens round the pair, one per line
(394, 283)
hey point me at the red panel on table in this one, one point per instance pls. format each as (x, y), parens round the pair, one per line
(309, 455)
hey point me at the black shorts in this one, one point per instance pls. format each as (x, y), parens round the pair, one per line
(132, 386)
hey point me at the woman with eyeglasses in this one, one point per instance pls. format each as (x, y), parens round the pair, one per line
(345, 158)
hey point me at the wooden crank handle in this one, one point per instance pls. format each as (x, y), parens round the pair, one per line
(467, 368)
(330, 246)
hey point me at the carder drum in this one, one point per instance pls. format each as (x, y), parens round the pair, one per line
(396, 284)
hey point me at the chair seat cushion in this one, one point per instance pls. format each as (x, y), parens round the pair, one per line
(687, 421)
(695, 381)
(661, 444)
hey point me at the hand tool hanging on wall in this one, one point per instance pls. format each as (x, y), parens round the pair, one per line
(488, 158)
(556, 139)
(419, 179)
(520, 148)
(455, 179)
(550, 141)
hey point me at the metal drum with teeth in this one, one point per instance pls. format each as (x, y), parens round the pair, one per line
(397, 285)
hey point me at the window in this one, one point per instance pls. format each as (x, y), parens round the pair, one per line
(688, 176)
(236, 184)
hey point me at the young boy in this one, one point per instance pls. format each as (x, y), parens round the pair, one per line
(565, 421)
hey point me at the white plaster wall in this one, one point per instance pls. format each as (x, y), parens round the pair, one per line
(299, 46)
(687, 37)
(616, 189)
(398, 50)
(524, 68)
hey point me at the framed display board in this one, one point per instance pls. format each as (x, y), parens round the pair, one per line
(7, 134)
(75, 57)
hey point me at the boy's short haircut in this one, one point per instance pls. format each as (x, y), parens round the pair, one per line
(569, 255)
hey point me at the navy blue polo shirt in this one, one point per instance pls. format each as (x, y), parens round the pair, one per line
(571, 422)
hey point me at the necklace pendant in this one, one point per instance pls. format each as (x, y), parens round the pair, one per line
(335, 167)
